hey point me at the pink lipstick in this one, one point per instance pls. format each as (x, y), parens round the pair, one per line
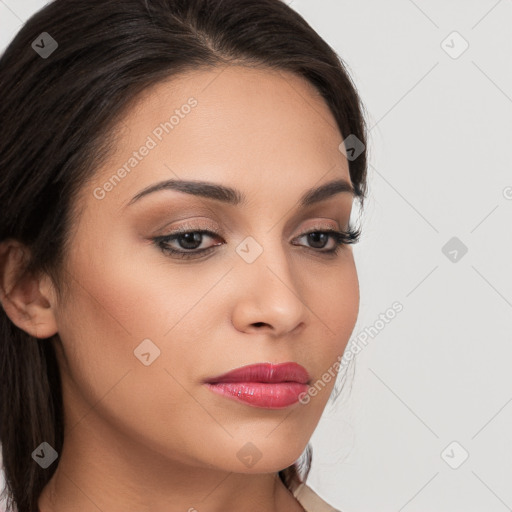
(266, 385)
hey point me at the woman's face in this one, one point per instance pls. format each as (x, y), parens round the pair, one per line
(142, 329)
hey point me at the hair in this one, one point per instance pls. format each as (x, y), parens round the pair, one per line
(58, 125)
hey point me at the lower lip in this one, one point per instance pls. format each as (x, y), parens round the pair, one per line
(275, 395)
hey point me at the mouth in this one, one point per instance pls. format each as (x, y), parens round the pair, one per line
(264, 385)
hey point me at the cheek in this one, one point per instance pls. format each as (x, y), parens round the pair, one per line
(115, 304)
(131, 293)
(334, 300)
(105, 317)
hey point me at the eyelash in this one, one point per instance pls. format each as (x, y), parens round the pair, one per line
(351, 236)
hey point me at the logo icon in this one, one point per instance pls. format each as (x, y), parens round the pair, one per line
(351, 147)
(249, 454)
(44, 45)
(454, 455)
(44, 455)
(454, 45)
(146, 352)
(249, 250)
(454, 249)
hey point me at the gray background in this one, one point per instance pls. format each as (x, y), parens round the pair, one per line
(440, 150)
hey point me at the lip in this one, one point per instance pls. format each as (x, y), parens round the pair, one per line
(264, 385)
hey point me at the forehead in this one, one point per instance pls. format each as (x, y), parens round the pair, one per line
(255, 129)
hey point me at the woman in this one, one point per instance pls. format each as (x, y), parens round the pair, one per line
(175, 263)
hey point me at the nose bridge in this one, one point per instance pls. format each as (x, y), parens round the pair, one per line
(263, 253)
(272, 291)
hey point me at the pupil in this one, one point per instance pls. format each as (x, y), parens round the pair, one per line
(191, 238)
(314, 239)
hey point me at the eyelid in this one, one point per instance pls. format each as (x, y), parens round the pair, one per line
(190, 225)
(213, 232)
(206, 225)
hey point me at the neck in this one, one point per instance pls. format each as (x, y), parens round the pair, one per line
(100, 469)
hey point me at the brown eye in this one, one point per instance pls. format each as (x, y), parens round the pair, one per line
(190, 240)
(318, 239)
(187, 243)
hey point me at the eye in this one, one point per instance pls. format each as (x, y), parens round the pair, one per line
(189, 241)
(319, 237)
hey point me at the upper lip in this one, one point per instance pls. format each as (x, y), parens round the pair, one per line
(264, 372)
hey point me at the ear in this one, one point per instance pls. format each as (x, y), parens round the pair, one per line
(28, 300)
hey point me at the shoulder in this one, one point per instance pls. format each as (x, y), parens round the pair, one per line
(310, 500)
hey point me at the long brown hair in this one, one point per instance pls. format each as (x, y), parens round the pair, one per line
(57, 117)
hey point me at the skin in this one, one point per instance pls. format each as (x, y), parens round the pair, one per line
(154, 438)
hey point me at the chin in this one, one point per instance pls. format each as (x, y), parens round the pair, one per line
(263, 457)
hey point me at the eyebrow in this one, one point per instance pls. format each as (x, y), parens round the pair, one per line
(234, 197)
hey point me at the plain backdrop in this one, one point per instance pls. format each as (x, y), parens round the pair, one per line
(424, 426)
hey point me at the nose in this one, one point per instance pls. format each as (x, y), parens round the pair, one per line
(268, 295)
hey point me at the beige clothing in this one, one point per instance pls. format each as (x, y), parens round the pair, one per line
(310, 500)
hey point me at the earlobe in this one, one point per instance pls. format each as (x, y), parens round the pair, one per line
(26, 298)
